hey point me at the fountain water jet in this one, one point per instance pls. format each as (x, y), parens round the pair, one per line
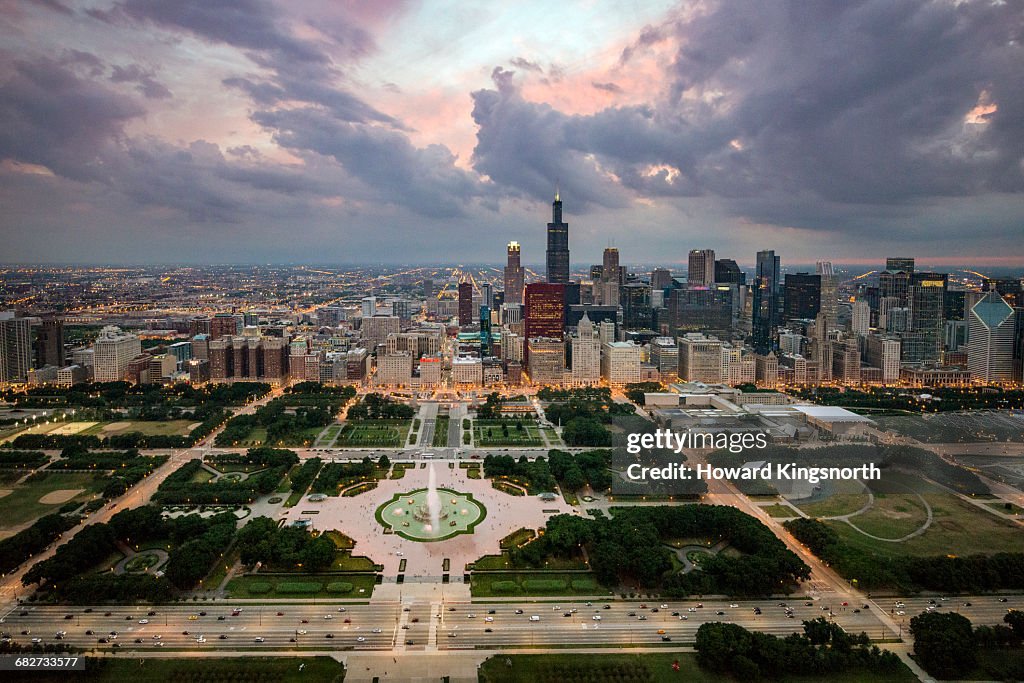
(433, 500)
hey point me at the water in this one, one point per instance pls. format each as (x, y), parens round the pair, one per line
(433, 500)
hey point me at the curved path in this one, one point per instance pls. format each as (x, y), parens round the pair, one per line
(688, 565)
(917, 532)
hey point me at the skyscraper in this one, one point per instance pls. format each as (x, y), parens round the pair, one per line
(701, 271)
(544, 311)
(829, 302)
(922, 342)
(802, 296)
(766, 304)
(15, 347)
(990, 339)
(726, 270)
(49, 343)
(558, 245)
(514, 275)
(661, 278)
(611, 277)
(465, 303)
(586, 353)
(894, 281)
(114, 349)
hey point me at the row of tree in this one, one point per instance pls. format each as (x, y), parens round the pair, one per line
(377, 407)
(974, 573)
(573, 472)
(129, 395)
(823, 648)
(34, 539)
(948, 646)
(179, 487)
(534, 475)
(944, 399)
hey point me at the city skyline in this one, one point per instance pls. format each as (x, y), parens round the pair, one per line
(135, 133)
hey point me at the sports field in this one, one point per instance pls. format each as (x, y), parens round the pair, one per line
(30, 500)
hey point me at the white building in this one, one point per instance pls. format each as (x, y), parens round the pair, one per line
(884, 353)
(467, 370)
(620, 363)
(394, 369)
(861, 320)
(111, 353)
(586, 353)
(665, 356)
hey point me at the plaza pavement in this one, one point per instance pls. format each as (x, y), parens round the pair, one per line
(356, 517)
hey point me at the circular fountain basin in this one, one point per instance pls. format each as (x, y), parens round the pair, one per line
(407, 515)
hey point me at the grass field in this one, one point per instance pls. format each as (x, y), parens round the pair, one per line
(646, 668)
(374, 434)
(22, 504)
(892, 515)
(958, 527)
(974, 427)
(440, 439)
(147, 427)
(154, 670)
(781, 511)
(490, 433)
(845, 497)
(505, 584)
(240, 586)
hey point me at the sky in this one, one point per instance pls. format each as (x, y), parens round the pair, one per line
(250, 131)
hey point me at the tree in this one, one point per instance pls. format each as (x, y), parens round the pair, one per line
(944, 643)
(1015, 620)
(318, 554)
(384, 462)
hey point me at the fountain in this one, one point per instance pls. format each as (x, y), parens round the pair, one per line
(417, 515)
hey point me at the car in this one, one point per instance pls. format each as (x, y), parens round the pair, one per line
(221, 618)
(865, 606)
(488, 619)
(654, 609)
(452, 634)
(757, 610)
(488, 630)
(808, 604)
(280, 614)
(631, 614)
(683, 617)
(222, 637)
(519, 611)
(856, 611)
(157, 637)
(607, 607)
(967, 604)
(150, 613)
(69, 616)
(342, 609)
(567, 614)
(301, 632)
(291, 640)
(900, 613)
(305, 621)
(406, 627)
(106, 614)
(102, 640)
(691, 609)
(329, 635)
(138, 640)
(201, 639)
(720, 613)
(328, 616)
(113, 634)
(642, 617)
(258, 639)
(26, 632)
(535, 618)
(1003, 600)
(643, 605)
(236, 611)
(89, 632)
(666, 639)
(415, 620)
(348, 620)
(451, 609)
(202, 614)
(675, 614)
(193, 617)
(376, 630)
(143, 621)
(409, 642)
(127, 617)
(37, 640)
(661, 631)
(664, 606)
(733, 605)
(88, 610)
(471, 616)
(596, 617)
(899, 605)
(184, 633)
(846, 604)
(61, 634)
(116, 645)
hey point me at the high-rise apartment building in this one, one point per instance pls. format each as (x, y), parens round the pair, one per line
(766, 303)
(922, 342)
(990, 339)
(884, 352)
(701, 271)
(49, 343)
(700, 359)
(15, 347)
(515, 275)
(860, 321)
(558, 245)
(225, 325)
(113, 351)
(665, 356)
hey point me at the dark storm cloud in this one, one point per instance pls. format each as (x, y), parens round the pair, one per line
(525, 64)
(144, 80)
(426, 180)
(51, 117)
(796, 113)
(523, 146)
(607, 87)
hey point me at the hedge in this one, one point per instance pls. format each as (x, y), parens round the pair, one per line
(544, 584)
(504, 586)
(339, 587)
(584, 584)
(260, 587)
(299, 587)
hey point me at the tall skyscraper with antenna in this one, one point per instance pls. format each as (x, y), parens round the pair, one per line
(514, 275)
(558, 245)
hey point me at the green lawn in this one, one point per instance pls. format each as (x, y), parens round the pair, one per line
(781, 511)
(147, 427)
(440, 439)
(893, 515)
(374, 434)
(632, 668)
(491, 433)
(250, 586)
(527, 583)
(154, 670)
(346, 562)
(22, 504)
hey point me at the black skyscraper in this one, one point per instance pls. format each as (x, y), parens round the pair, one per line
(766, 297)
(802, 296)
(558, 245)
